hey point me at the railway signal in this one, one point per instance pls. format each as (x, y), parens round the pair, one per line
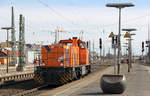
(116, 39)
(100, 43)
(142, 49)
(111, 35)
(127, 35)
(142, 46)
(87, 44)
(113, 40)
(100, 46)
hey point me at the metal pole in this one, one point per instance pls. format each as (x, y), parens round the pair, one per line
(90, 51)
(130, 61)
(39, 59)
(13, 40)
(128, 56)
(57, 35)
(34, 59)
(103, 54)
(93, 51)
(119, 42)
(148, 45)
(115, 60)
(148, 54)
(7, 28)
(21, 44)
(142, 57)
(100, 53)
(7, 50)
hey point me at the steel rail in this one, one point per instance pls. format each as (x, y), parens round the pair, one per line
(30, 92)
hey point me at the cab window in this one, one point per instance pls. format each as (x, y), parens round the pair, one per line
(82, 46)
(66, 44)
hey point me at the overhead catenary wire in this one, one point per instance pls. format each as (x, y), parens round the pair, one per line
(70, 21)
(56, 12)
(127, 21)
(28, 26)
(59, 14)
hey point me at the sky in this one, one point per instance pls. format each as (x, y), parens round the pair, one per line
(91, 17)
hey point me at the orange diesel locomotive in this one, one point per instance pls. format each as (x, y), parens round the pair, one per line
(63, 62)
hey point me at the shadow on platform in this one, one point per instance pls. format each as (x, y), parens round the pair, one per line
(96, 93)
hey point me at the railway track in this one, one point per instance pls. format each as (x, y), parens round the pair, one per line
(31, 88)
(11, 89)
(23, 88)
(31, 92)
(16, 77)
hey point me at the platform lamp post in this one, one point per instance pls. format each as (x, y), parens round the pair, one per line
(129, 35)
(119, 6)
(7, 28)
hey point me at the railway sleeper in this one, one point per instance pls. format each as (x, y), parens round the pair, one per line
(16, 77)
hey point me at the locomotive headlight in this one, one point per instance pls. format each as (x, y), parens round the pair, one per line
(67, 47)
(61, 64)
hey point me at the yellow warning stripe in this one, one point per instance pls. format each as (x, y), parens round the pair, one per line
(68, 76)
(69, 73)
(64, 81)
(35, 77)
(65, 78)
(39, 79)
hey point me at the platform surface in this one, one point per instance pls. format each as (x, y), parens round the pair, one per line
(138, 84)
(12, 70)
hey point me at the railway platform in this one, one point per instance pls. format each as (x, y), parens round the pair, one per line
(12, 69)
(12, 74)
(138, 83)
